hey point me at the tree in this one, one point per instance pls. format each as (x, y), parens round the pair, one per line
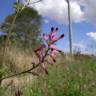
(26, 28)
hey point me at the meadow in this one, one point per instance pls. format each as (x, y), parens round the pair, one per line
(65, 78)
(21, 33)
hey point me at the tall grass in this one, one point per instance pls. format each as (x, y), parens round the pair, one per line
(16, 59)
(64, 79)
(77, 78)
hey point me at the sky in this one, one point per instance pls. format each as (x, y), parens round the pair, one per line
(54, 14)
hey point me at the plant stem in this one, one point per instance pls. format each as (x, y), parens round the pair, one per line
(26, 71)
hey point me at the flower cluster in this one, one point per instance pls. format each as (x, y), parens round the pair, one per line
(48, 48)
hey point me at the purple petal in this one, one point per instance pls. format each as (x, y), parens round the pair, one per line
(56, 39)
(40, 52)
(53, 47)
(54, 53)
(45, 37)
(53, 33)
(52, 28)
(60, 37)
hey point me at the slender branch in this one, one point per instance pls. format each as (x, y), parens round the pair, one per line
(20, 73)
(8, 37)
(36, 2)
(7, 41)
(26, 71)
(33, 73)
(30, 3)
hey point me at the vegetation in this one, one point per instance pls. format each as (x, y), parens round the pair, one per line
(75, 78)
(64, 79)
(25, 29)
(21, 31)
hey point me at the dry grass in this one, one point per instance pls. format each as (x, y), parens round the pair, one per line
(16, 59)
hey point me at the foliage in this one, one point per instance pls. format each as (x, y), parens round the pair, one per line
(64, 79)
(45, 50)
(26, 28)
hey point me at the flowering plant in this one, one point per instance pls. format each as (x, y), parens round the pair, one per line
(48, 48)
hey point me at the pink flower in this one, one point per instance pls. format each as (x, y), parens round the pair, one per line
(56, 39)
(53, 55)
(50, 40)
(53, 47)
(53, 33)
(52, 51)
(45, 37)
(40, 52)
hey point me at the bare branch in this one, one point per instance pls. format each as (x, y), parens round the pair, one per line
(20, 73)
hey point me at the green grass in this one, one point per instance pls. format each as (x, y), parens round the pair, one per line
(69, 79)
(77, 78)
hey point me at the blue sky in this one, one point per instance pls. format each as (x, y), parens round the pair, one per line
(80, 29)
(6, 8)
(80, 39)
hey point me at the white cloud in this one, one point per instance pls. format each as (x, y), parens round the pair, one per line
(92, 35)
(57, 10)
(79, 45)
(90, 8)
(46, 21)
